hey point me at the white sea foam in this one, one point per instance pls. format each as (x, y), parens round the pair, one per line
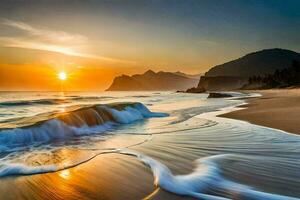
(57, 130)
(205, 177)
(206, 180)
(130, 114)
(9, 169)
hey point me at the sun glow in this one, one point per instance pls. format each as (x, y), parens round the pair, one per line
(62, 76)
(65, 174)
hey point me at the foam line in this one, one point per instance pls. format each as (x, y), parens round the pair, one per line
(205, 177)
(85, 121)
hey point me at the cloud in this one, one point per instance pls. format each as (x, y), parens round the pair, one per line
(47, 35)
(50, 40)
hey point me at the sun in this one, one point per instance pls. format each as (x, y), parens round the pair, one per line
(62, 76)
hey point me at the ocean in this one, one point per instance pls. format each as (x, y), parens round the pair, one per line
(126, 145)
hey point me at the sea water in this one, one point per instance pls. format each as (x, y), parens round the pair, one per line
(169, 132)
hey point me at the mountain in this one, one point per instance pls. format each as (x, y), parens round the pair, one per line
(151, 80)
(261, 62)
(197, 76)
(235, 74)
(219, 83)
(288, 77)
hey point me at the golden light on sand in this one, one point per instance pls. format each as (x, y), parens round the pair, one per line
(62, 76)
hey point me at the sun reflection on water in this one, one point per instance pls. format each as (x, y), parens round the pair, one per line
(65, 174)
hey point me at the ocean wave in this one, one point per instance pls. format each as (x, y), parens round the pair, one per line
(89, 98)
(83, 121)
(20, 169)
(34, 102)
(204, 182)
(52, 101)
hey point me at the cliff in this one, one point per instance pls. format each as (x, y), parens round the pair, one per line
(257, 63)
(235, 74)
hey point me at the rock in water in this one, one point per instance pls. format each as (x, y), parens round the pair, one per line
(196, 90)
(218, 95)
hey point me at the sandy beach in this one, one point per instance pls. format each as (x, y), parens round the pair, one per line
(188, 154)
(149, 100)
(278, 109)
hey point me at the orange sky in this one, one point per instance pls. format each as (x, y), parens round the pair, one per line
(27, 69)
(94, 41)
(33, 60)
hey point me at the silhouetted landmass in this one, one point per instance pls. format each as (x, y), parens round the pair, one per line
(193, 76)
(235, 74)
(257, 63)
(287, 77)
(195, 90)
(222, 82)
(152, 81)
(218, 95)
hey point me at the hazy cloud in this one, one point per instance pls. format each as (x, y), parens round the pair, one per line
(50, 40)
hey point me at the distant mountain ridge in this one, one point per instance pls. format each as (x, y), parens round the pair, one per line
(234, 74)
(197, 76)
(151, 80)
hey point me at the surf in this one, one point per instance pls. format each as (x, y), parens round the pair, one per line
(178, 143)
(86, 120)
(204, 182)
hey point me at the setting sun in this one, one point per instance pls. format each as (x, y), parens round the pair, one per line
(62, 76)
(157, 86)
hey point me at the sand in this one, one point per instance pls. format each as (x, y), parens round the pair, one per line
(106, 177)
(278, 109)
(114, 176)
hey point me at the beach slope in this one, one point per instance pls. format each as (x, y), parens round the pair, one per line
(278, 108)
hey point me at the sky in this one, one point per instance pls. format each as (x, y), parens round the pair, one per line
(95, 40)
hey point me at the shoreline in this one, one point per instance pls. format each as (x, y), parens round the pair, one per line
(121, 176)
(276, 108)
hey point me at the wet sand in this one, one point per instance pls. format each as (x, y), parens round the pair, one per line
(278, 109)
(115, 176)
(107, 176)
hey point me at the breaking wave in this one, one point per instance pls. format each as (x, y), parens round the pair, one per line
(52, 101)
(82, 121)
(34, 102)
